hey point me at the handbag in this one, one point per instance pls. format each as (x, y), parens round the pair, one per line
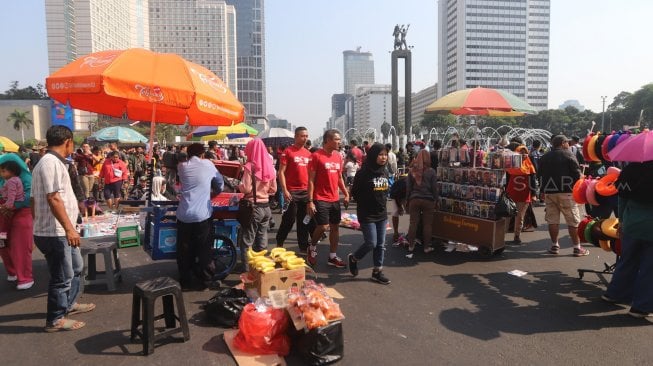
(506, 207)
(246, 207)
(116, 172)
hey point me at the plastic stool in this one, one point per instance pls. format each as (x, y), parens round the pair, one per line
(149, 291)
(112, 269)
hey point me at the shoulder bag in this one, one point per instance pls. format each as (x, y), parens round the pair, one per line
(506, 207)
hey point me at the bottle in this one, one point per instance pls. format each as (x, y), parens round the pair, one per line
(307, 219)
(285, 206)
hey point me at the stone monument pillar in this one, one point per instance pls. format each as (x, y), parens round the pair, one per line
(401, 50)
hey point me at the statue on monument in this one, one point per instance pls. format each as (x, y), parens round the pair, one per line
(400, 36)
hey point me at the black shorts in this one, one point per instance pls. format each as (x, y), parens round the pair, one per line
(327, 212)
(112, 190)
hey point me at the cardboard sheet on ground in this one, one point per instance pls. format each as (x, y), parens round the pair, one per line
(246, 359)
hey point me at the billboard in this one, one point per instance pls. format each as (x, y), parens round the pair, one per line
(62, 114)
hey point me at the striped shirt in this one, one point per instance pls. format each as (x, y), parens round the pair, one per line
(51, 175)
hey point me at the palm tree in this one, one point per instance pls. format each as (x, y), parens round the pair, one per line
(20, 120)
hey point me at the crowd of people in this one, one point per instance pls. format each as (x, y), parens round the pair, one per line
(43, 194)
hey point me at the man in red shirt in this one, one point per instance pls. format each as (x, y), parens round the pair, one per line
(293, 180)
(324, 180)
(357, 152)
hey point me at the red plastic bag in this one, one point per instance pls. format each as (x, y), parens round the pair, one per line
(263, 333)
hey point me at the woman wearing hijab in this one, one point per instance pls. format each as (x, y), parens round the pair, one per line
(371, 188)
(158, 189)
(421, 195)
(259, 164)
(633, 275)
(17, 254)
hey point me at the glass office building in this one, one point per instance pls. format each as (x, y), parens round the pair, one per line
(358, 68)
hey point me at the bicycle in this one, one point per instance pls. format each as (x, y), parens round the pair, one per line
(224, 256)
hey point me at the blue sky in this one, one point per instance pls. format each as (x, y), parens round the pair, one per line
(598, 47)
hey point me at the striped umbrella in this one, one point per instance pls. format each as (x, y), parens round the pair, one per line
(482, 102)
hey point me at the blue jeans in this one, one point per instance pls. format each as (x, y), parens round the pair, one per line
(633, 276)
(65, 264)
(373, 239)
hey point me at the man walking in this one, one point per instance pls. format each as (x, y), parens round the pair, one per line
(55, 209)
(324, 180)
(194, 229)
(559, 171)
(293, 179)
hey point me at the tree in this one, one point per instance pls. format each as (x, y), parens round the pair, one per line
(438, 121)
(20, 120)
(30, 92)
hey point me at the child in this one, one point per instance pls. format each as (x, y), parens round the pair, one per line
(351, 167)
(397, 208)
(11, 192)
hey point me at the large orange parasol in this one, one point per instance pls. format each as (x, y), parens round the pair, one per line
(146, 86)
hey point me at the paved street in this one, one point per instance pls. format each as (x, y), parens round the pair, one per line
(441, 308)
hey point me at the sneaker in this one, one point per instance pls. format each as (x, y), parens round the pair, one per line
(380, 278)
(353, 266)
(555, 249)
(581, 252)
(12, 278)
(312, 258)
(336, 262)
(635, 313)
(25, 286)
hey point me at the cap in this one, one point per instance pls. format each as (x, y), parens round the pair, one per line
(143, 178)
(558, 140)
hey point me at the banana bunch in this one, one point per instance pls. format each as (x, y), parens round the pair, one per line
(293, 262)
(252, 254)
(259, 261)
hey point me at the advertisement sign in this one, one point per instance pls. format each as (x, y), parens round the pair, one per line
(62, 114)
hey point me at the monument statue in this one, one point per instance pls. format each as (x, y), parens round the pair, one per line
(400, 36)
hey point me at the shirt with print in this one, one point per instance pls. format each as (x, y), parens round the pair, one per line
(49, 176)
(372, 188)
(328, 170)
(296, 161)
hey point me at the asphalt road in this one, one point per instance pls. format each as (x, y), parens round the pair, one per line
(441, 308)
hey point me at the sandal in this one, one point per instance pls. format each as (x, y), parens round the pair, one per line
(555, 249)
(81, 308)
(64, 324)
(428, 249)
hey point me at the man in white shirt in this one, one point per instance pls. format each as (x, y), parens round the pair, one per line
(392, 160)
(55, 209)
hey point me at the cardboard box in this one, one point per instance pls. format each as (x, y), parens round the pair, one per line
(245, 359)
(279, 279)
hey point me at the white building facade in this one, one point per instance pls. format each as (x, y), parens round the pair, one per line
(372, 108)
(201, 31)
(501, 44)
(79, 27)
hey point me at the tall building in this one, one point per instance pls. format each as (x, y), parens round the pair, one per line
(201, 31)
(79, 27)
(502, 44)
(358, 70)
(420, 101)
(372, 107)
(251, 55)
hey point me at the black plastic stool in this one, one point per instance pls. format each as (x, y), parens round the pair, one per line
(149, 291)
(112, 269)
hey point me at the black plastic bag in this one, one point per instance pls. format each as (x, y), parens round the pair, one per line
(506, 207)
(225, 307)
(320, 346)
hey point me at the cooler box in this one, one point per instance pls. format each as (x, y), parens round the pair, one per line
(228, 168)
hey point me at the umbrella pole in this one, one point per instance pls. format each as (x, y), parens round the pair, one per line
(151, 142)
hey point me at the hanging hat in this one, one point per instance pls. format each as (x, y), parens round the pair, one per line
(610, 227)
(590, 193)
(598, 147)
(581, 228)
(588, 232)
(613, 140)
(591, 148)
(578, 192)
(605, 186)
(605, 245)
(586, 144)
(604, 147)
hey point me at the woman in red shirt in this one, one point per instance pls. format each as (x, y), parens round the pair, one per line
(114, 172)
(520, 188)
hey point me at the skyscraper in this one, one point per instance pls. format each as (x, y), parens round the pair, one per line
(372, 107)
(251, 55)
(201, 31)
(79, 27)
(358, 69)
(502, 44)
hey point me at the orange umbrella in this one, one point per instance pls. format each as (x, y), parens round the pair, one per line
(146, 86)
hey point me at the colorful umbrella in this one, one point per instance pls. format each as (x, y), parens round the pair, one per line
(240, 129)
(146, 86)
(482, 102)
(638, 148)
(8, 145)
(119, 134)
